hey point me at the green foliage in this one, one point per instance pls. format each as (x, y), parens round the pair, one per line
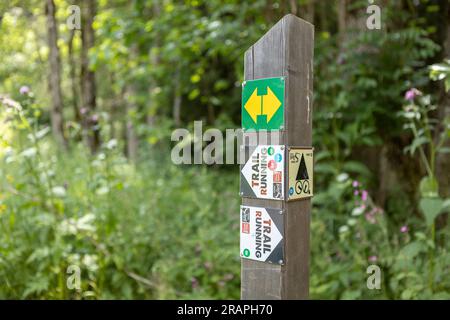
(424, 129)
(431, 207)
(151, 229)
(441, 71)
(118, 223)
(166, 40)
(356, 233)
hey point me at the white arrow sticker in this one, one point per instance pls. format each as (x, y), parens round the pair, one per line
(261, 238)
(262, 176)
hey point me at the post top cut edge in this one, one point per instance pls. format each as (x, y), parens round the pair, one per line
(287, 20)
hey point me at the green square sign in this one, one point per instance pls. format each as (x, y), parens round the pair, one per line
(263, 104)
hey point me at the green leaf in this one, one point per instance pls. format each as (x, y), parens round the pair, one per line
(428, 187)
(417, 142)
(59, 191)
(342, 177)
(431, 208)
(37, 285)
(356, 167)
(30, 152)
(407, 294)
(42, 133)
(411, 250)
(325, 168)
(351, 295)
(441, 296)
(194, 94)
(357, 211)
(445, 205)
(444, 150)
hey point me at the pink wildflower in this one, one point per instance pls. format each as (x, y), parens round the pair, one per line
(194, 283)
(364, 195)
(412, 93)
(208, 265)
(24, 90)
(370, 218)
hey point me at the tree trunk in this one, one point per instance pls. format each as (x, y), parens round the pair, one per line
(131, 136)
(310, 11)
(323, 18)
(294, 7)
(131, 110)
(342, 14)
(73, 78)
(177, 99)
(115, 104)
(54, 77)
(155, 60)
(90, 119)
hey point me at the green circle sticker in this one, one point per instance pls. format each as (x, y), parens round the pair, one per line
(271, 151)
(246, 253)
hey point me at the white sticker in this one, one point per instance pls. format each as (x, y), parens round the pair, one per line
(262, 234)
(262, 176)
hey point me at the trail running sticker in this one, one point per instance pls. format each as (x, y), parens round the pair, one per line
(262, 234)
(262, 175)
(300, 173)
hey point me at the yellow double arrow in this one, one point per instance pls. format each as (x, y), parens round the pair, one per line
(266, 104)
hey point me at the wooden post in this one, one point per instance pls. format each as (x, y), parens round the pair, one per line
(285, 50)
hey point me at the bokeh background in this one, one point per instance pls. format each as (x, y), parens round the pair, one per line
(86, 116)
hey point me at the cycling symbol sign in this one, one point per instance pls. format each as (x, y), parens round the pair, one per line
(300, 173)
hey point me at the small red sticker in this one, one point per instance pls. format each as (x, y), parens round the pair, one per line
(272, 165)
(277, 176)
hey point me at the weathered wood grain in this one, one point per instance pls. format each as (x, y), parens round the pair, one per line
(285, 50)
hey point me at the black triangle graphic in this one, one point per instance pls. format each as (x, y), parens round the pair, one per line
(302, 173)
